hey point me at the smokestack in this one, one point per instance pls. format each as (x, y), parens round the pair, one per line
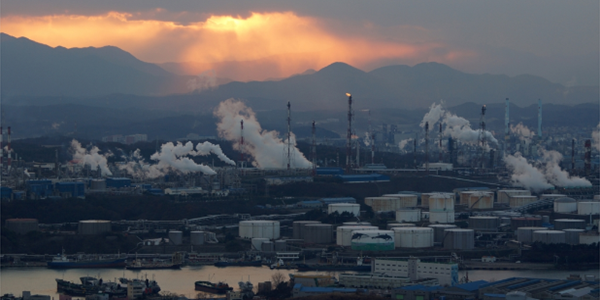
(242, 143)
(507, 127)
(427, 147)
(289, 137)
(8, 150)
(415, 150)
(313, 151)
(482, 136)
(588, 157)
(572, 155)
(540, 118)
(358, 154)
(440, 146)
(372, 140)
(349, 134)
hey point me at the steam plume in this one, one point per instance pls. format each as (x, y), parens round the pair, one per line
(596, 137)
(435, 113)
(92, 158)
(556, 175)
(367, 139)
(206, 148)
(265, 147)
(403, 143)
(525, 174)
(522, 132)
(171, 157)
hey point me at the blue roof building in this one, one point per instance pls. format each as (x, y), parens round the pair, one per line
(364, 178)
(39, 189)
(327, 201)
(71, 189)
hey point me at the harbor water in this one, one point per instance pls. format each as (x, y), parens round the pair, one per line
(42, 280)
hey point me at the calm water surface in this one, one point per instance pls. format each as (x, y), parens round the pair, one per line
(41, 280)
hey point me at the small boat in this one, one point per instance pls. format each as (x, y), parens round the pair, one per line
(152, 265)
(209, 287)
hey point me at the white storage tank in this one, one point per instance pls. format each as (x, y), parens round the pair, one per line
(516, 201)
(93, 227)
(464, 196)
(318, 233)
(340, 208)
(408, 215)
(525, 234)
(413, 237)
(481, 200)
(176, 237)
(572, 236)
(394, 225)
(260, 229)
(441, 208)
(565, 205)
(560, 224)
(461, 239)
(552, 196)
(425, 199)
(484, 223)
(298, 226)
(257, 243)
(406, 200)
(197, 237)
(549, 236)
(438, 231)
(372, 240)
(588, 208)
(503, 196)
(391, 203)
(344, 233)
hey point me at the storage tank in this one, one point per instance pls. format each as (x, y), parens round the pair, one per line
(484, 223)
(549, 236)
(406, 200)
(552, 196)
(98, 184)
(391, 203)
(318, 233)
(560, 224)
(503, 196)
(298, 226)
(525, 234)
(441, 217)
(565, 205)
(259, 228)
(372, 240)
(280, 245)
(257, 243)
(22, 226)
(525, 222)
(356, 224)
(481, 200)
(572, 236)
(438, 231)
(267, 246)
(408, 215)
(441, 208)
(464, 196)
(93, 227)
(197, 237)
(460, 239)
(516, 201)
(425, 199)
(176, 237)
(394, 225)
(413, 237)
(588, 208)
(340, 208)
(344, 233)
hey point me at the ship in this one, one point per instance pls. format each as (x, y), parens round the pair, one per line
(143, 265)
(62, 262)
(90, 286)
(209, 287)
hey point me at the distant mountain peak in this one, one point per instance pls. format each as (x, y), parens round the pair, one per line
(338, 67)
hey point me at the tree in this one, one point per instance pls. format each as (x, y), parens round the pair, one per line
(277, 278)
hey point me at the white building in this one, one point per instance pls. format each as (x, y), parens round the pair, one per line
(445, 273)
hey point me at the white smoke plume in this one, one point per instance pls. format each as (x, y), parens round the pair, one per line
(172, 157)
(596, 138)
(435, 113)
(92, 158)
(555, 175)
(265, 147)
(525, 174)
(367, 139)
(523, 132)
(403, 143)
(204, 81)
(206, 148)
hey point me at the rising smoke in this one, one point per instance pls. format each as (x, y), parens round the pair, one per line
(522, 132)
(91, 158)
(204, 81)
(265, 147)
(403, 143)
(367, 139)
(596, 138)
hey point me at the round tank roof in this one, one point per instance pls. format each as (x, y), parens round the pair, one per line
(569, 220)
(565, 200)
(550, 231)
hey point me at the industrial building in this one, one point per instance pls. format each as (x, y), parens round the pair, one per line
(445, 273)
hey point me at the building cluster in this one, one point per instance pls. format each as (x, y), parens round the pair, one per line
(127, 139)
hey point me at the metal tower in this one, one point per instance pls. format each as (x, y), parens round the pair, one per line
(349, 135)
(313, 150)
(427, 147)
(482, 136)
(288, 143)
(506, 128)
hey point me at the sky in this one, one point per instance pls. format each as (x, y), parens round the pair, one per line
(258, 40)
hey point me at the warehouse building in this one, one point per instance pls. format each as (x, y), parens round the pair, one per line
(413, 268)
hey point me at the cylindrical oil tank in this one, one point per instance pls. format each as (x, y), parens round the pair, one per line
(267, 246)
(176, 237)
(560, 224)
(372, 240)
(394, 225)
(464, 196)
(257, 243)
(572, 236)
(406, 200)
(588, 208)
(481, 200)
(484, 223)
(565, 205)
(22, 226)
(259, 228)
(93, 226)
(97, 184)
(340, 208)
(438, 231)
(344, 233)
(552, 196)
(518, 222)
(441, 217)
(318, 233)
(525, 234)
(503, 196)
(425, 199)
(280, 245)
(356, 224)
(391, 203)
(408, 215)
(413, 237)
(549, 236)
(461, 239)
(516, 201)
(298, 226)
(441, 202)
(197, 237)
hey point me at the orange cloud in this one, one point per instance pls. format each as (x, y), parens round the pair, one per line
(260, 46)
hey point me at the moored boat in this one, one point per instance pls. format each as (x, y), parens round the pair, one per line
(63, 262)
(213, 288)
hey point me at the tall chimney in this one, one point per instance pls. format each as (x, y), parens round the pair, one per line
(540, 118)
(349, 134)
(358, 154)
(507, 128)
(572, 155)
(415, 151)
(372, 136)
(8, 150)
(313, 150)
(588, 157)
(242, 143)
(440, 146)
(289, 137)
(427, 147)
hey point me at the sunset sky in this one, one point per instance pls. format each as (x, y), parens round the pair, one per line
(255, 40)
